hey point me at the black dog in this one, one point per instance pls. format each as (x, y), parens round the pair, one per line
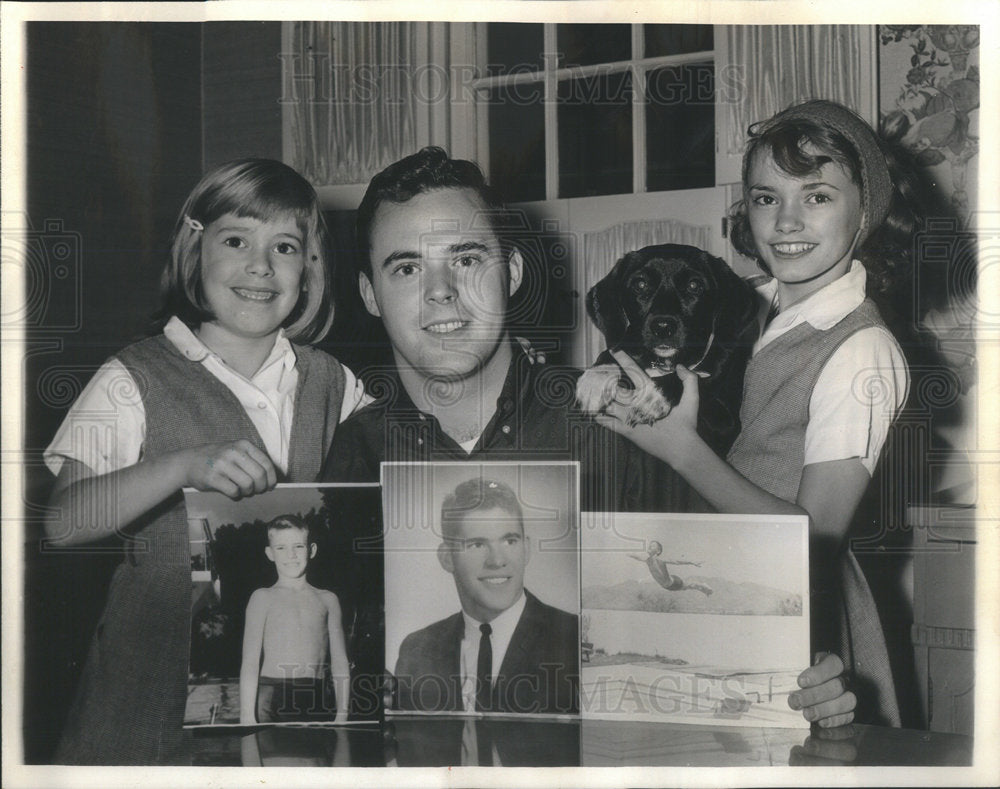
(673, 304)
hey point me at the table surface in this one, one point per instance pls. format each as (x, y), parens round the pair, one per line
(438, 741)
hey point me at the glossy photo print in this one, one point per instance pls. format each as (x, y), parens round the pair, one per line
(482, 587)
(285, 606)
(600, 206)
(694, 618)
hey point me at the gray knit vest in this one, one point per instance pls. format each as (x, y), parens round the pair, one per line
(130, 705)
(770, 450)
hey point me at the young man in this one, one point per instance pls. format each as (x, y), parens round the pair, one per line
(505, 651)
(435, 269)
(290, 630)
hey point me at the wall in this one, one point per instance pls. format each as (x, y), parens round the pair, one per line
(114, 144)
(929, 101)
(929, 88)
(241, 87)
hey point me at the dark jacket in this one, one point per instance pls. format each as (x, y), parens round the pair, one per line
(540, 672)
(536, 418)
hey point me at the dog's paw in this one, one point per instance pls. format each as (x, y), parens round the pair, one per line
(597, 387)
(645, 405)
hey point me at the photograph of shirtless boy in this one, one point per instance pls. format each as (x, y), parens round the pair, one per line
(291, 629)
(286, 593)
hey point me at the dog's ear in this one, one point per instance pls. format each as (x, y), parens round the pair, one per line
(605, 304)
(736, 326)
(737, 305)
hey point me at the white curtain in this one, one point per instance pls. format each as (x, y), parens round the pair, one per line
(602, 249)
(356, 113)
(786, 64)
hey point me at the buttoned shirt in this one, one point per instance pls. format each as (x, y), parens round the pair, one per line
(534, 418)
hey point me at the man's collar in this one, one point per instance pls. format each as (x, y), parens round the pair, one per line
(525, 365)
(505, 621)
(517, 385)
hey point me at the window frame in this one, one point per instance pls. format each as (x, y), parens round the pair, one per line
(550, 76)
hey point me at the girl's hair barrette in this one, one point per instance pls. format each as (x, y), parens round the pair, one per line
(194, 224)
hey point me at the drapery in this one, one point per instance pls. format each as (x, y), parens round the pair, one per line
(603, 248)
(786, 64)
(355, 107)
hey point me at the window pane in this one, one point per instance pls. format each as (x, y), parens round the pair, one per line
(680, 127)
(677, 39)
(513, 47)
(595, 135)
(517, 141)
(583, 45)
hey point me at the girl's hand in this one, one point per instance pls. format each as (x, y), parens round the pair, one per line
(667, 438)
(234, 468)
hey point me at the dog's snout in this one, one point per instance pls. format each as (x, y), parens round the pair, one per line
(665, 326)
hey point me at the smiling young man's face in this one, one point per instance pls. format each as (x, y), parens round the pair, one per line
(487, 556)
(440, 283)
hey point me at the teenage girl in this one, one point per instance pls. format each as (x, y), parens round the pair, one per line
(823, 215)
(224, 399)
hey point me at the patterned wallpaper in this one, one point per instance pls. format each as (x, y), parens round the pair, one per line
(929, 95)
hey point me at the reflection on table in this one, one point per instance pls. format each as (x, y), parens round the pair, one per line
(620, 743)
(452, 741)
(436, 741)
(357, 745)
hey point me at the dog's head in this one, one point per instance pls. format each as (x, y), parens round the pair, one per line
(673, 304)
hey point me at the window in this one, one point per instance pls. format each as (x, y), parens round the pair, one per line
(574, 110)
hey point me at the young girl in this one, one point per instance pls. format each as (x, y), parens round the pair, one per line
(222, 399)
(822, 215)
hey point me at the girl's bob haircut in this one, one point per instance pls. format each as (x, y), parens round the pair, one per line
(260, 189)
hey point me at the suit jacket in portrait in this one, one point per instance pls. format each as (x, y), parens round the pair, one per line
(539, 674)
